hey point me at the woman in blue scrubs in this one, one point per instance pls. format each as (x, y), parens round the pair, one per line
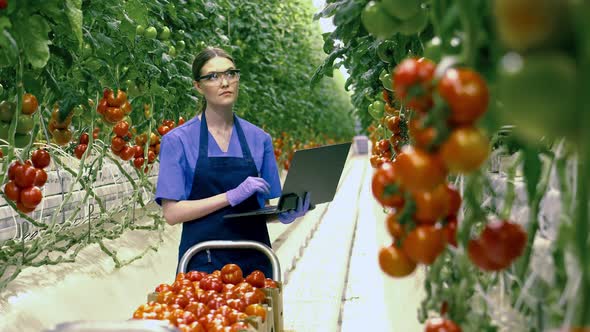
(215, 164)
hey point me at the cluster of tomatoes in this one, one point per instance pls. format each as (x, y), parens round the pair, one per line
(25, 180)
(119, 145)
(412, 183)
(113, 108)
(153, 150)
(220, 301)
(168, 125)
(25, 122)
(60, 129)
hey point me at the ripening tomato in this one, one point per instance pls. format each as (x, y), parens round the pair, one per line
(239, 326)
(466, 93)
(237, 304)
(154, 139)
(216, 302)
(243, 287)
(431, 205)
(121, 129)
(197, 308)
(126, 108)
(181, 121)
(40, 158)
(31, 197)
(385, 186)
(117, 143)
(441, 325)
(151, 156)
(424, 244)
(30, 104)
(412, 83)
(377, 161)
(394, 262)
(393, 123)
(62, 136)
(418, 170)
(256, 310)
(465, 150)
(231, 274)
(40, 177)
(163, 288)
(256, 278)
(255, 296)
(211, 283)
(113, 115)
(163, 130)
(12, 191)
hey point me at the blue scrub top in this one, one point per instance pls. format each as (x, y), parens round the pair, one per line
(179, 151)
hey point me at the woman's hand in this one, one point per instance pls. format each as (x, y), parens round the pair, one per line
(302, 208)
(249, 187)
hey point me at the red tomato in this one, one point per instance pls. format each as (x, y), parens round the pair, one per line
(118, 100)
(13, 168)
(498, 246)
(237, 304)
(395, 229)
(126, 108)
(79, 150)
(31, 197)
(239, 326)
(385, 186)
(256, 278)
(256, 310)
(466, 93)
(465, 150)
(138, 162)
(163, 130)
(40, 177)
(113, 115)
(253, 297)
(377, 161)
(84, 138)
(211, 283)
(195, 275)
(441, 325)
(163, 288)
(12, 191)
(30, 104)
(243, 287)
(127, 153)
(23, 209)
(151, 156)
(383, 147)
(103, 105)
(424, 244)
(414, 75)
(231, 274)
(117, 143)
(121, 129)
(431, 205)
(25, 176)
(138, 152)
(418, 170)
(40, 158)
(269, 283)
(186, 318)
(197, 308)
(395, 263)
(181, 121)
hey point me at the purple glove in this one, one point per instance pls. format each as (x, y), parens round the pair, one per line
(302, 208)
(249, 187)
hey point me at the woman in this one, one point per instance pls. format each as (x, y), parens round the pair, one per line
(215, 164)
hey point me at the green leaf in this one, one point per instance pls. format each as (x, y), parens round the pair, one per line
(137, 11)
(73, 11)
(8, 53)
(532, 171)
(33, 33)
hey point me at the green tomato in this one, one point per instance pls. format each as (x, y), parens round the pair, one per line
(165, 34)
(538, 93)
(180, 45)
(25, 124)
(414, 24)
(377, 22)
(140, 30)
(433, 49)
(172, 51)
(7, 109)
(22, 140)
(150, 33)
(376, 109)
(402, 9)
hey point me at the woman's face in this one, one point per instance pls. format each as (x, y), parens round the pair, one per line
(218, 84)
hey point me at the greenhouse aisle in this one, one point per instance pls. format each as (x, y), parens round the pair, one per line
(337, 284)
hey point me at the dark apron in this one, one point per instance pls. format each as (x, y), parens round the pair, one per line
(217, 175)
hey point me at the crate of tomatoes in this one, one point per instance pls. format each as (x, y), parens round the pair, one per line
(224, 300)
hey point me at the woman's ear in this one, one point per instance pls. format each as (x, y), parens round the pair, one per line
(197, 86)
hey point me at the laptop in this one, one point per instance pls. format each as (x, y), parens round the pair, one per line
(316, 170)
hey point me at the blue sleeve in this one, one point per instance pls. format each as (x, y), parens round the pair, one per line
(269, 170)
(171, 176)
